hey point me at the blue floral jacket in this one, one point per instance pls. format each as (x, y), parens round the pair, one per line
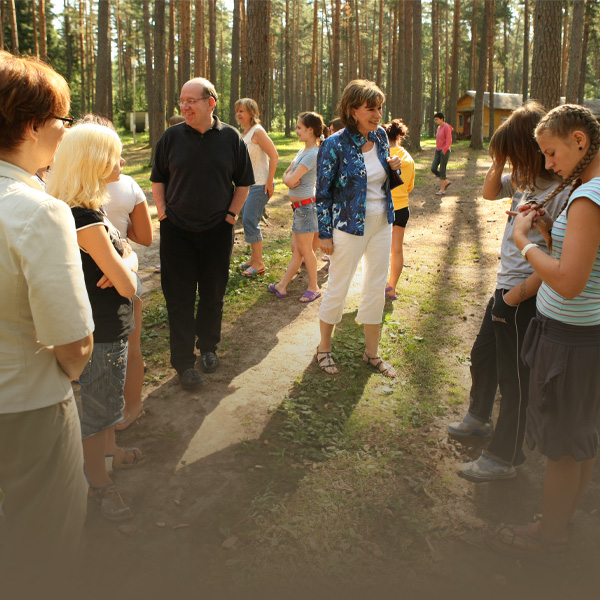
(342, 181)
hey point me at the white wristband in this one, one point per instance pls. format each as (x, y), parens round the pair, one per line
(527, 248)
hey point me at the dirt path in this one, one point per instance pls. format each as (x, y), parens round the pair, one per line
(196, 468)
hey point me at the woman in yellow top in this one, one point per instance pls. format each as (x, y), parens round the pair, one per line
(396, 131)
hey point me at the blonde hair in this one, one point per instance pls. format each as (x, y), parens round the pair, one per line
(83, 162)
(561, 122)
(252, 108)
(355, 94)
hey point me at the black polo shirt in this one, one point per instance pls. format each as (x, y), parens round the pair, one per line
(200, 172)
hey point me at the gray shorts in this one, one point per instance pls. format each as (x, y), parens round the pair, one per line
(102, 384)
(305, 219)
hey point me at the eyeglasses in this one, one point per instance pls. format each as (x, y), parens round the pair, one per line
(68, 121)
(192, 101)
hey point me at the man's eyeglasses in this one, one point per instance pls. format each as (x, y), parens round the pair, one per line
(192, 101)
(68, 121)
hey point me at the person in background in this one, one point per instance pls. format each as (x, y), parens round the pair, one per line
(200, 180)
(496, 356)
(443, 141)
(87, 160)
(45, 339)
(562, 346)
(335, 125)
(300, 177)
(396, 132)
(264, 157)
(355, 213)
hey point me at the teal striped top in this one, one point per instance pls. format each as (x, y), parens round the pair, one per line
(584, 309)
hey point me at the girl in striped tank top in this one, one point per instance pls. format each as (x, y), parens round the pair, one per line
(562, 346)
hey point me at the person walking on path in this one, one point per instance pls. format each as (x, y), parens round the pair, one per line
(496, 354)
(264, 157)
(200, 180)
(45, 340)
(443, 141)
(355, 174)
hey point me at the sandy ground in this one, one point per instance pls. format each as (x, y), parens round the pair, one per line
(193, 466)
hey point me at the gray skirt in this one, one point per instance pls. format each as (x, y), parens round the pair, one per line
(564, 390)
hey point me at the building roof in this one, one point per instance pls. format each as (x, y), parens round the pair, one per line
(513, 101)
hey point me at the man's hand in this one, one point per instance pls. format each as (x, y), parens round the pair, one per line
(326, 246)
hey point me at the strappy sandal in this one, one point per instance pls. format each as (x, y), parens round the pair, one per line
(128, 457)
(326, 362)
(526, 542)
(384, 368)
(111, 504)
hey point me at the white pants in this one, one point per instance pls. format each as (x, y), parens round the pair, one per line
(374, 248)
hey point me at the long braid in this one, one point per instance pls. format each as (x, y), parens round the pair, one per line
(561, 121)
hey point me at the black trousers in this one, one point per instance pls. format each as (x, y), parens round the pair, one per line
(496, 361)
(194, 262)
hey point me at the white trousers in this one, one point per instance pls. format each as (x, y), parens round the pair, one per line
(374, 249)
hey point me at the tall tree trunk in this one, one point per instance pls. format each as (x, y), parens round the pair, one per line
(90, 27)
(258, 51)
(491, 86)
(157, 105)
(288, 70)
(393, 67)
(103, 100)
(564, 61)
(477, 125)
(380, 44)
(512, 89)
(452, 104)
(12, 15)
(473, 61)
(82, 57)
(526, 27)
(171, 91)
(42, 26)
(185, 27)
(212, 35)
(435, 63)
(148, 29)
(584, 45)
(199, 46)
(235, 61)
(407, 88)
(243, 51)
(545, 77)
(417, 78)
(313, 60)
(2, 24)
(572, 88)
(505, 65)
(119, 52)
(358, 49)
(68, 40)
(335, 67)
(36, 46)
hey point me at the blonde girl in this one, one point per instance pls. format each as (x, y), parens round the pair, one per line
(301, 178)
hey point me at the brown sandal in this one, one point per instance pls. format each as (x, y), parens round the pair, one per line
(326, 362)
(111, 504)
(525, 541)
(125, 458)
(384, 368)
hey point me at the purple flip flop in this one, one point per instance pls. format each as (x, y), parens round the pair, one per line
(273, 290)
(310, 296)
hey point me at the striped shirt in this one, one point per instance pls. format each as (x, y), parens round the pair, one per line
(584, 309)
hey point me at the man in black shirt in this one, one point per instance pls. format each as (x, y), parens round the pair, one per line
(200, 180)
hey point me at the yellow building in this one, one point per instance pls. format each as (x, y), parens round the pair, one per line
(504, 104)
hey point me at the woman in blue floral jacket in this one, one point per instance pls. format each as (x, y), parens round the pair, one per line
(356, 212)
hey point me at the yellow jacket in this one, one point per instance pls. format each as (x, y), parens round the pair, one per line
(400, 194)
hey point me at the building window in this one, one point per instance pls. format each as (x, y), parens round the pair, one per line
(461, 121)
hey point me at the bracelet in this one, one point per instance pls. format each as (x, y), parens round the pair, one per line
(232, 214)
(527, 248)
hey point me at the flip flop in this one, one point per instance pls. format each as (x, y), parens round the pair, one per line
(310, 296)
(273, 290)
(447, 186)
(440, 193)
(389, 293)
(157, 269)
(244, 265)
(251, 272)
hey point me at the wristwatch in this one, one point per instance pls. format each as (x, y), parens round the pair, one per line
(232, 214)
(527, 248)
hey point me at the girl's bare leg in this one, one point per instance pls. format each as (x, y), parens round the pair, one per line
(93, 455)
(256, 256)
(397, 257)
(293, 266)
(305, 244)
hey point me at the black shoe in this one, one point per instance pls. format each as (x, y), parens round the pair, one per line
(189, 379)
(210, 362)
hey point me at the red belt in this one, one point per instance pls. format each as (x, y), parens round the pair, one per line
(304, 202)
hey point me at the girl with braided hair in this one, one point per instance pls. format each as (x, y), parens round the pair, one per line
(562, 345)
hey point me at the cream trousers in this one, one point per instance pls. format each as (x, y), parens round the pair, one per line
(374, 249)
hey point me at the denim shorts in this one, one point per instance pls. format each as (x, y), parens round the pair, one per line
(305, 219)
(102, 384)
(252, 212)
(138, 288)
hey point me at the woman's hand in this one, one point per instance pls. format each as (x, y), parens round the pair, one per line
(104, 282)
(269, 188)
(394, 162)
(326, 245)
(523, 225)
